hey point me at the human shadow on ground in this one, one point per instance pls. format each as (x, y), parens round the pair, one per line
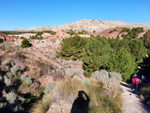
(126, 85)
(81, 103)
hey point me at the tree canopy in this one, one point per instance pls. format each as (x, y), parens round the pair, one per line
(99, 53)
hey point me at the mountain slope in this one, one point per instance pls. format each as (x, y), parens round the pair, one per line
(91, 26)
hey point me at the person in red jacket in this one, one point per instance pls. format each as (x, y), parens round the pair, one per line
(136, 81)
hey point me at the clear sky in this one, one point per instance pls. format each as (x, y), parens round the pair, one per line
(25, 14)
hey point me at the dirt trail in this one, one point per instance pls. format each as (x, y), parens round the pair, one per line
(132, 104)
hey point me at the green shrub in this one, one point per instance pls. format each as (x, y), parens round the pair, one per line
(39, 33)
(72, 48)
(125, 30)
(111, 31)
(94, 31)
(1, 40)
(22, 37)
(36, 37)
(49, 31)
(83, 32)
(25, 43)
(71, 32)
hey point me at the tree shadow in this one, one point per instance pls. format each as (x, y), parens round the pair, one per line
(145, 65)
(81, 103)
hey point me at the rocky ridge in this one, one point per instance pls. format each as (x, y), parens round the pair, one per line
(90, 26)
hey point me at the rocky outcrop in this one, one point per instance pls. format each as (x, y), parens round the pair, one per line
(91, 26)
(7, 38)
(60, 107)
(44, 28)
(97, 26)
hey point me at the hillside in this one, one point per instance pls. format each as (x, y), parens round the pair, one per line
(74, 67)
(90, 26)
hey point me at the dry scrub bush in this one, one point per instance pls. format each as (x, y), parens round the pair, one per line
(101, 75)
(111, 90)
(115, 75)
(24, 88)
(43, 105)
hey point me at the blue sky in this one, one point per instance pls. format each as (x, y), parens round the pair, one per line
(25, 14)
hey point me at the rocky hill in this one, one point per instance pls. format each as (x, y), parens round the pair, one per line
(90, 26)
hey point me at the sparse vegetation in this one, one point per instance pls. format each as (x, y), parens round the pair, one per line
(49, 31)
(131, 33)
(17, 92)
(69, 88)
(71, 32)
(111, 31)
(83, 32)
(16, 32)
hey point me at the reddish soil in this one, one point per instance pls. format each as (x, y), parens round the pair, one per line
(106, 33)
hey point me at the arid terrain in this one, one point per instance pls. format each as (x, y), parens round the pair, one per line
(73, 68)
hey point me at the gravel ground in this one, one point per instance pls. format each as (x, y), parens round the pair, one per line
(132, 104)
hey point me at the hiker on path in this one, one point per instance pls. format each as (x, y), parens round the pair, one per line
(136, 82)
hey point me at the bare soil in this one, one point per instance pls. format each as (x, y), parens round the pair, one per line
(131, 101)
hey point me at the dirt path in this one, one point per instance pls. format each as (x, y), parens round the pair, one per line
(132, 104)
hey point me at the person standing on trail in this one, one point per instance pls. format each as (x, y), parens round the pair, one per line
(136, 81)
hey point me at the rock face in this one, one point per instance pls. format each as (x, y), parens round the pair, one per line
(44, 28)
(7, 38)
(91, 26)
(98, 26)
(60, 107)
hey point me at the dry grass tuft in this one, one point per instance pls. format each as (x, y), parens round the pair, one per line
(42, 106)
(69, 88)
